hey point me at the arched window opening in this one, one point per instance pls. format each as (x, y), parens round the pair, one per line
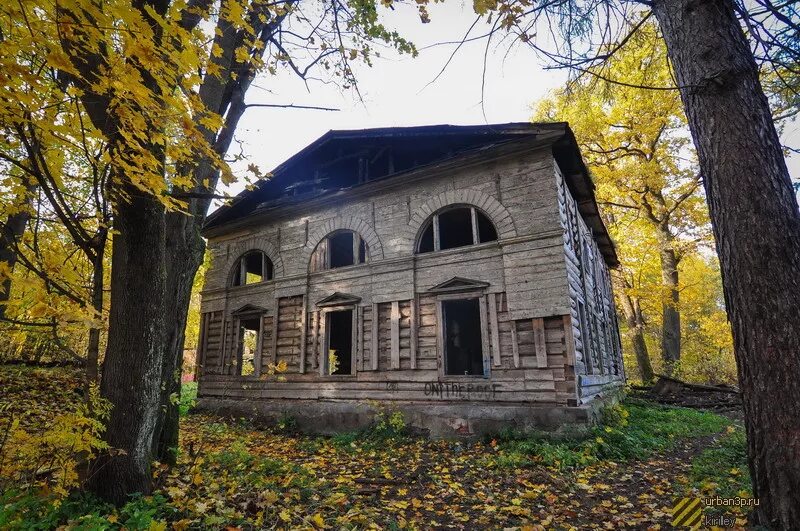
(253, 267)
(456, 227)
(339, 249)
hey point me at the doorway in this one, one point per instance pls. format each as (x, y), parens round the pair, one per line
(339, 329)
(463, 345)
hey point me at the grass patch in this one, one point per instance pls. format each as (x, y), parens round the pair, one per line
(633, 430)
(722, 469)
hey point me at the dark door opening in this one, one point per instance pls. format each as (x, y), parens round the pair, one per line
(340, 342)
(462, 337)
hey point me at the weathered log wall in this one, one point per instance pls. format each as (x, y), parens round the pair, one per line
(592, 317)
(532, 334)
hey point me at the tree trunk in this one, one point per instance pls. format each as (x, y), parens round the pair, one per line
(131, 377)
(12, 230)
(635, 321)
(93, 347)
(670, 299)
(756, 223)
(185, 248)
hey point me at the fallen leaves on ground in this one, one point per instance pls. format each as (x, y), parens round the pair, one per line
(231, 475)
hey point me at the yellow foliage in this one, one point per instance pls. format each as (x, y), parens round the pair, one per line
(638, 149)
(51, 459)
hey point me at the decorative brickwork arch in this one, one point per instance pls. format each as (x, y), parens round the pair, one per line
(494, 210)
(357, 225)
(237, 249)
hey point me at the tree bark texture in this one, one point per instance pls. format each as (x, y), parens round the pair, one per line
(184, 250)
(132, 369)
(11, 231)
(93, 347)
(756, 223)
(225, 95)
(670, 310)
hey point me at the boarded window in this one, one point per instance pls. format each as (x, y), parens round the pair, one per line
(253, 267)
(339, 329)
(455, 227)
(249, 335)
(462, 337)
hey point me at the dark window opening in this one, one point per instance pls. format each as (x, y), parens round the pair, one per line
(426, 242)
(341, 249)
(340, 342)
(252, 268)
(249, 330)
(486, 231)
(462, 337)
(455, 228)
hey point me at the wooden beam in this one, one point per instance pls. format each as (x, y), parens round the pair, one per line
(274, 345)
(314, 338)
(375, 325)
(395, 327)
(303, 333)
(569, 340)
(259, 347)
(514, 343)
(484, 334)
(539, 341)
(223, 351)
(323, 345)
(495, 329)
(413, 330)
(474, 219)
(435, 222)
(359, 338)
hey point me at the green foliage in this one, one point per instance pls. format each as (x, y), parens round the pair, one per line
(287, 423)
(188, 397)
(634, 430)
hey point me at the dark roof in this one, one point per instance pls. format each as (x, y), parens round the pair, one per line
(342, 160)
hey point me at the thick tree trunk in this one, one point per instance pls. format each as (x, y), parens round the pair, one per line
(12, 230)
(635, 321)
(131, 376)
(185, 248)
(756, 223)
(670, 311)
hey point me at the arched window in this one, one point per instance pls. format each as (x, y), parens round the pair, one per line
(454, 227)
(339, 249)
(253, 267)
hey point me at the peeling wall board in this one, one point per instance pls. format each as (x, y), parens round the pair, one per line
(539, 341)
(514, 343)
(495, 332)
(395, 335)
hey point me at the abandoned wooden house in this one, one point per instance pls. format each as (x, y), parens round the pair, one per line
(459, 274)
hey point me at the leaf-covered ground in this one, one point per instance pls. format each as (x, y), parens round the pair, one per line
(624, 474)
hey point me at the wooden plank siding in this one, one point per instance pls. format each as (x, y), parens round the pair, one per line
(531, 285)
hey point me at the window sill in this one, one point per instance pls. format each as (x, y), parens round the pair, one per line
(455, 250)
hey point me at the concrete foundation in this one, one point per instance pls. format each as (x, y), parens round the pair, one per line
(435, 420)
